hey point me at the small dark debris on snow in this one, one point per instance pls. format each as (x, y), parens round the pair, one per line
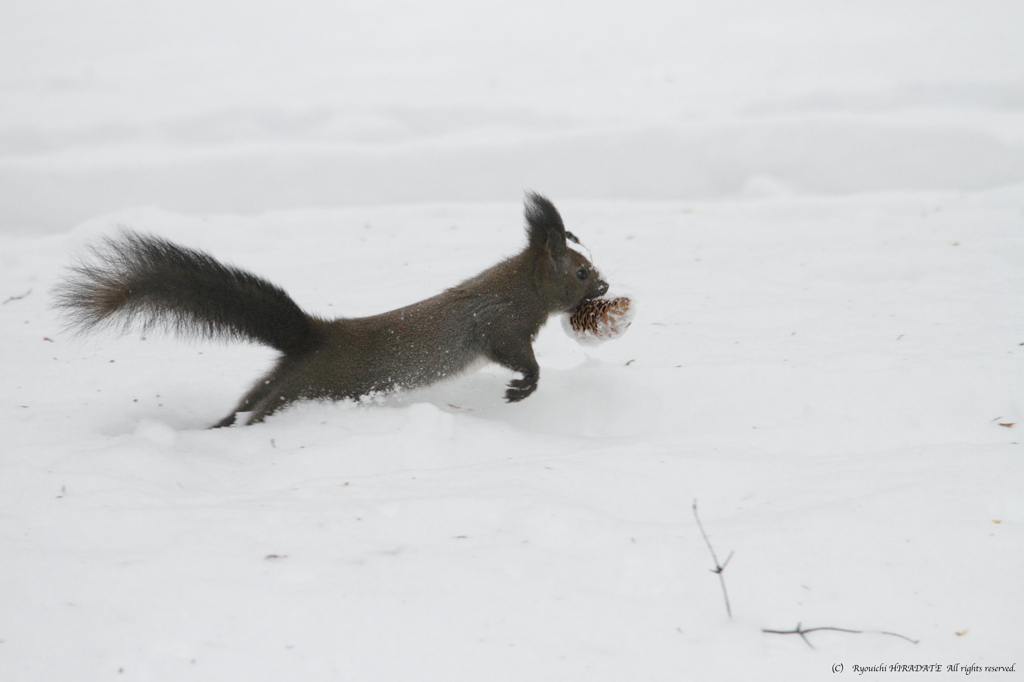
(17, 298)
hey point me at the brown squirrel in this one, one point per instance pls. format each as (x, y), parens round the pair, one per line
(494, 316)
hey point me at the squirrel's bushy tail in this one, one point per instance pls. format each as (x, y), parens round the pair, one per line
(136, 279)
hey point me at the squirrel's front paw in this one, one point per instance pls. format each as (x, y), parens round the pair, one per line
(519, 389)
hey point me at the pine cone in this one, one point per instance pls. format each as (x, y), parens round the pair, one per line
(600, 319)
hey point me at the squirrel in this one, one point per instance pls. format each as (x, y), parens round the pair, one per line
(496, 315)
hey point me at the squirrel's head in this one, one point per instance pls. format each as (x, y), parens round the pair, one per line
(565, 277)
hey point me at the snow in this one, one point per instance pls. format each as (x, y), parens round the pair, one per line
(818, 208)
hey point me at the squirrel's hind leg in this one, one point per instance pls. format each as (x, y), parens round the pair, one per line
(248, 403)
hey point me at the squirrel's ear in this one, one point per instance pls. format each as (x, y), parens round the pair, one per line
(544, 226)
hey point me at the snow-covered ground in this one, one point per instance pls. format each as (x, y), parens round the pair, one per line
(819, 208)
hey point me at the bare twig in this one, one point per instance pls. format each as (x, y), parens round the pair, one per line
(17, 298)
(798, 630)
(719, 568)
(896, 634)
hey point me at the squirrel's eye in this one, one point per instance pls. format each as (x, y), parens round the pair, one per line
(582, 273)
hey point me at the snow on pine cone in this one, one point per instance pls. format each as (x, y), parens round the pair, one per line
(599, 320)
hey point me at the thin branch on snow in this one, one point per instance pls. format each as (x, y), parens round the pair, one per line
(798, 630)
(719, 568)
(17, 298)
(896, 634)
